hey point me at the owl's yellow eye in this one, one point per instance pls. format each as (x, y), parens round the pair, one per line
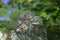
(29, 16)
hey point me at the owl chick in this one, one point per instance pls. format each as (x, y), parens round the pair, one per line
(38, 28)
(30, 25)
(37, 20)
(24, 22)
(26, 15)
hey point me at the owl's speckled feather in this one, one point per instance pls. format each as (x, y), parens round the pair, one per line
(30, 26)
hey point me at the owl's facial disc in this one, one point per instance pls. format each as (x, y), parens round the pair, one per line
(29, 16)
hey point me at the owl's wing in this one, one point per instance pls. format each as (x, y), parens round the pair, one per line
(38, 28)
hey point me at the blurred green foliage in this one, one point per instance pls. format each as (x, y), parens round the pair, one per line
(49, 10)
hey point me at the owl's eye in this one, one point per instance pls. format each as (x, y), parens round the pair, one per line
(29, 16)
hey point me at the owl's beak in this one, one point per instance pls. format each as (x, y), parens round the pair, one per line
(17, 30)
(32, 19)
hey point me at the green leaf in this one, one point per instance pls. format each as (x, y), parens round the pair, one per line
(43, 14)
(20, 1)
(54, 13)
(3, 11)
(48, 3)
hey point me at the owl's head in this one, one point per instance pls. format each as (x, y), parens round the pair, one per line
(37, 20)
(26, 15)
